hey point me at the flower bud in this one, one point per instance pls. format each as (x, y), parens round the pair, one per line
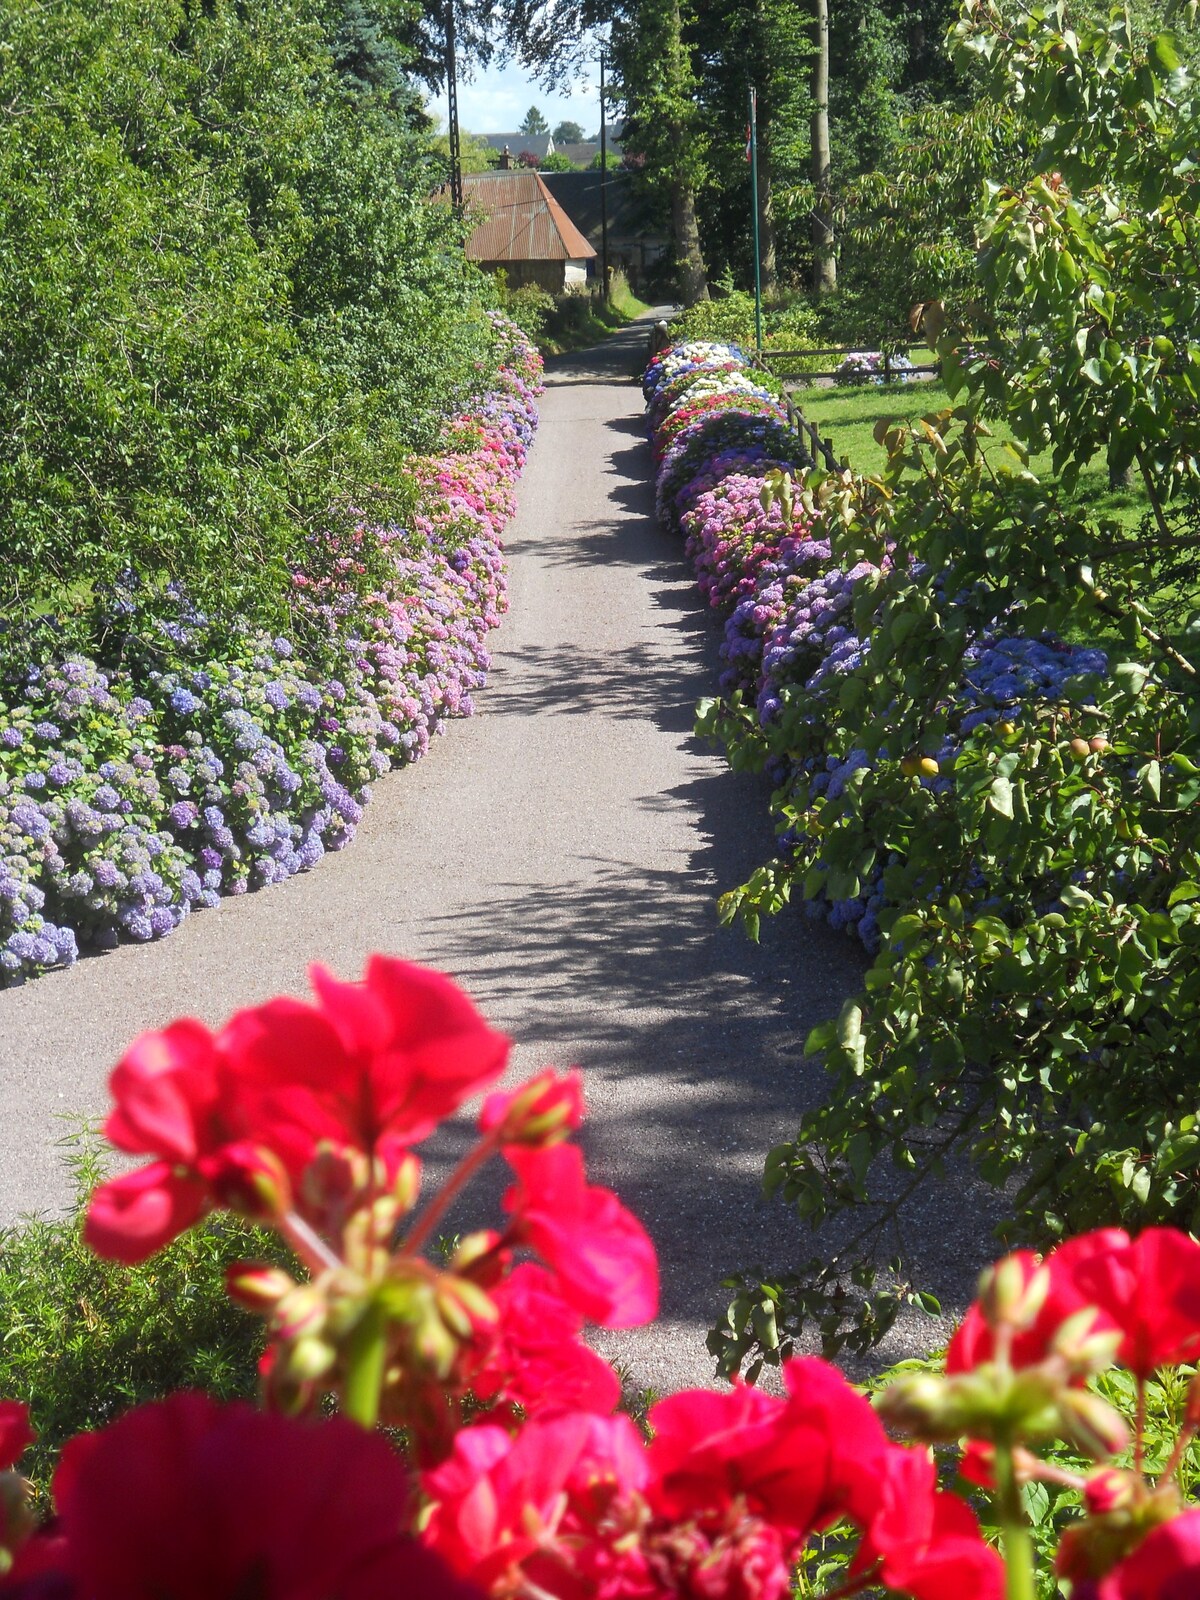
(406, 1184)
(17, 1521)
(1091, 1424)
(334, 1178)
(472, 1246)
(546, 1110)
(479, 1257)
(464, 1306)
(300, 1313)
(281, 1390)
(252, 1181)
(1109, 1490)
(309, 1359)
(367, 1235)
(915, 1404)
(1012, 1296)
(1085, 1348)
(1191, 1414)
(256, 1287)
(435, 1343)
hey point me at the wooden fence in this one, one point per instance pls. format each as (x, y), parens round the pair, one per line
(774, 361)
(781, 361)
(817, 447)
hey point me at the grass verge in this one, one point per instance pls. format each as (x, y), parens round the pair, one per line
(847, 417)
(578, 321)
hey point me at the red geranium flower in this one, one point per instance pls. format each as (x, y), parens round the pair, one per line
(924, 1542)
(174, 1101)
(192, 1500)
(1150, 1288)
(15, 1433)
(1165, 1566)
(534, 1358)
(542, 1111)
(799, 1463)
(537, 1501)
(384, 1060)
(600, 1254)
(972, 1343)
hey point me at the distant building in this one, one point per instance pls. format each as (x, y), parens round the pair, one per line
(582, 155)
(637, 241)
(540, 145)
(524, 231)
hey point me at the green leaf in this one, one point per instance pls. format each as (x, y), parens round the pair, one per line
(1001, 797)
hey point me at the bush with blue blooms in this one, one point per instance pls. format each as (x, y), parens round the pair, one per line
(985, 769)
(200, 761)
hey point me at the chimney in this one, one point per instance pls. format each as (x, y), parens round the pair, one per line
(505, 159)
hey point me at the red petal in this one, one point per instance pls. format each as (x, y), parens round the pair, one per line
(131, 1217)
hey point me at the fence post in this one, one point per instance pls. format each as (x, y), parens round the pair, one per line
(887, 367)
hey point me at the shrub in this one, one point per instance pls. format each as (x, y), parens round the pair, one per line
(190, 760)
(226, 310)
(85, 1338)
(729, 319)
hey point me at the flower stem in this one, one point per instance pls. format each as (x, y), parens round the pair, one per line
(366, 1359)
(1139, 1438)
(435, 1210)
(1016, 1539)
(307, 1243)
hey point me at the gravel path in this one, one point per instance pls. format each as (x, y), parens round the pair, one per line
(560, 855)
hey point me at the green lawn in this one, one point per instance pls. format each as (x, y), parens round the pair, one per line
(847, 418)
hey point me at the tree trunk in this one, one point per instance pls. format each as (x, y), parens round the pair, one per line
(767, 238)
(693, 279)
(824, 262)
(1119, 477)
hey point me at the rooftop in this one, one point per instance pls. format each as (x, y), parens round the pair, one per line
(522, 220)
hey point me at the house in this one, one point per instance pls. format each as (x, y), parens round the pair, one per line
(637, 239)
(540, 145)
(582, 155)
(524, 231)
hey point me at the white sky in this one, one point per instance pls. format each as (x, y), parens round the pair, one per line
(496, 101)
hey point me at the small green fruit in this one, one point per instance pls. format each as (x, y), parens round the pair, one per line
(1098, 745)
(1079, 749)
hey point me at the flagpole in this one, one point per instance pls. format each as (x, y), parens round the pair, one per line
(753, 153)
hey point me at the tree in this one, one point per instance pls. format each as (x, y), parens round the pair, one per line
(824, 261)
(765, 43)
(475, 153)
(650, 54)
(568, 133)
(557, 163)
(657, 81)
(534, 123)
(372, 61)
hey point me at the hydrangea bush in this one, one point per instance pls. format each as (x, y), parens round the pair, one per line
(797, 621)
(201, 762)
(867, 366)
(508, 1470)
(986, 748)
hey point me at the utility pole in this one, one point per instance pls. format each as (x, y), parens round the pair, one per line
(603, 184)
(456, 183)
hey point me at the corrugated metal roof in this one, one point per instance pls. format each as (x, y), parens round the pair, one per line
(523, 222)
